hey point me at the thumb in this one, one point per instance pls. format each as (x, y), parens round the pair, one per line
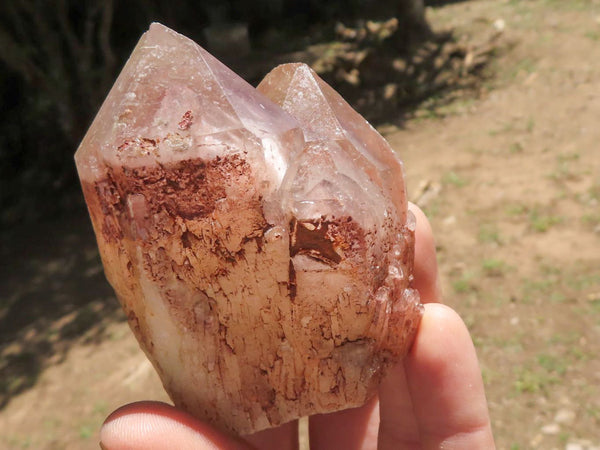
(155, 425)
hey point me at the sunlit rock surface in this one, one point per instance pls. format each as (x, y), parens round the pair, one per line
(263, 257)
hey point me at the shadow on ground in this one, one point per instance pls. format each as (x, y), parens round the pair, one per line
(52, 293)
(384, 79)
(442, 2)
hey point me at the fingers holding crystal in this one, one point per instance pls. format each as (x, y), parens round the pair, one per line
(156, 425)
(283, 437)
(426, 279)
(445, 384)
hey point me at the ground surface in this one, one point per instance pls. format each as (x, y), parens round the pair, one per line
(510, 178)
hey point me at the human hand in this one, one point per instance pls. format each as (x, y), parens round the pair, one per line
(433, 399)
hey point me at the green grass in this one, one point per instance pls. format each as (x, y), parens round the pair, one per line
(591, 219)
(532, 289)
(101, 408)
(594, 412)
(515, 126)
(18, 442)
(557, 297)
(572, 5)
(553, 364)
(453, 179)
(435, 108)
(574, 285)
(515, 209)
(456, 107)
(567, 338)
(508, 127)
(550, 270)
(463, 284)
(533, 380)
(515, 148)
(86, 432)
(564, 170)
(584, 281)
(564, 436)
(432, 208)
(579, 354)
(496, 296)
(526, 65)
(562, 173)
(530, 126)
(541, 222)
(488, 233)
(594, 192)
(566, 157)
(512, 344)
(494, 267)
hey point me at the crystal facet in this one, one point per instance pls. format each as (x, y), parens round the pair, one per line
(261, 249)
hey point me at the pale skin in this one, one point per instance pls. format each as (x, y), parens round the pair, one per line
(434, 399)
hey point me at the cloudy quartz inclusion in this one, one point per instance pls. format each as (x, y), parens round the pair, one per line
(258, 240)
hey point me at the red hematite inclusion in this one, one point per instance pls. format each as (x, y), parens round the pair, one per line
(261, 249)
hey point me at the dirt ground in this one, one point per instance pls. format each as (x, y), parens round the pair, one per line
(510, 178)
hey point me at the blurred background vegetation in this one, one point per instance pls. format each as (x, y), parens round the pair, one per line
(59, 58)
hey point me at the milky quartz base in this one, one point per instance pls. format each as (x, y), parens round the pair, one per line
(261, 249)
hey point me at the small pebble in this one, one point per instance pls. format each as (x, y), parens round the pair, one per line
(573, 446)
(536, 440)
(450, 220)
(581, 444)
(565, 417)
(552, 428)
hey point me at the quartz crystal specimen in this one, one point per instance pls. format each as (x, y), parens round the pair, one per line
(261, 249)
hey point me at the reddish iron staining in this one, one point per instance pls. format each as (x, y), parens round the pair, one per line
(134, 321)
(186, 239)
(292, 281)
(409, 254)
(325, 240)
(186, 121)
(109, 204)
(311, 238)
(143, 145)
(139, 328)
(189, 189)
(348, 237)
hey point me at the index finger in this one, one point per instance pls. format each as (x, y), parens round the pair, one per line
(445, 384)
